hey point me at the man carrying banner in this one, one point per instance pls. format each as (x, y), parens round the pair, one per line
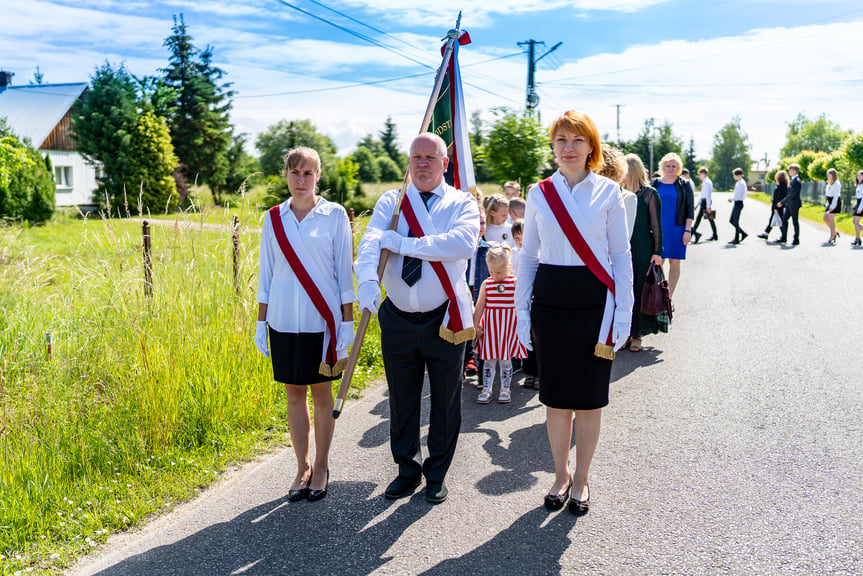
(427, 315)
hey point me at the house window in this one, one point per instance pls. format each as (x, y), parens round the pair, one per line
(63, 176)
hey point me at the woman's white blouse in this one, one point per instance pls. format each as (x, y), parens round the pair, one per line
(834, 191)
(543, 241)
(859, 193)
(326, 234)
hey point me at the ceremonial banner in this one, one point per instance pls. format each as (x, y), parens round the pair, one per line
(449, 121)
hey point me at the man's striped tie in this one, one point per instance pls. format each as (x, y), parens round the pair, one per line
(412, 268)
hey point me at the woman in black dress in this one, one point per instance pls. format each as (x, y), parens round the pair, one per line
(646, 244)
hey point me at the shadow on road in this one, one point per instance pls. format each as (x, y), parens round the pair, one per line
(626, 362)
(525, 547)
(334, 536)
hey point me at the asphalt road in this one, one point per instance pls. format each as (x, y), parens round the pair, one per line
(732, 445)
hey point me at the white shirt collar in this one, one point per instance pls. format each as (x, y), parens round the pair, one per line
(559, 180)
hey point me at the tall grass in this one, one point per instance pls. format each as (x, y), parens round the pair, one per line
(143, 400)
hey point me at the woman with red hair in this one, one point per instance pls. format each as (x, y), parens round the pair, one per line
(574, 292)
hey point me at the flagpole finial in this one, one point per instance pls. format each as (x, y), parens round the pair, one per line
(455, 32)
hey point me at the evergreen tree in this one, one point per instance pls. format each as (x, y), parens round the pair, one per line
(477, 140)
(374, 146)
(389, 140)
(690, 162)
(730, 151)
(200, 123)
(103, 124)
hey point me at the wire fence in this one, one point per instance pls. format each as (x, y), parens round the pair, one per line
(813, 192)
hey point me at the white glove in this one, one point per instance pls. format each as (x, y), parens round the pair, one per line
(261, 338)
(369, 296)
(620, 334)
(522, 328)
(345, 335)
(392, 241)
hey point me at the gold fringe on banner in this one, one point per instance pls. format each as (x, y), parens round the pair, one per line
(457, 337)
(333, 371)
(604, 351)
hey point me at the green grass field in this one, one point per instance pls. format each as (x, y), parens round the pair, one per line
(143, 401)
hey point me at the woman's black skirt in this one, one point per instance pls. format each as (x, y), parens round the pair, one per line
(836, 210)
(297, 357)
(857, 206)
(566, 315)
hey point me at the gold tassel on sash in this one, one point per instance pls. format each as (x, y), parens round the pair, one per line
(333, 371)
(457, 337)
(603, 351)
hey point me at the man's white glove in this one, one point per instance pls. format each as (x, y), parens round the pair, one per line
(261, 338)
(392, 241)
(369, 296)
(522, 328)
(620, 334)
(345, 335)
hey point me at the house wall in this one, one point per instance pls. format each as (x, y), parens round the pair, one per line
(78, 192)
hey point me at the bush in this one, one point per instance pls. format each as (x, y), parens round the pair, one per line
(26, 182)
(368, 165)
(852, 150)
(389, 170)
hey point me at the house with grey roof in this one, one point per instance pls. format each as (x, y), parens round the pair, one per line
(42, 114)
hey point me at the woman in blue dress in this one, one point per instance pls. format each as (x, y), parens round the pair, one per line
(677, 214)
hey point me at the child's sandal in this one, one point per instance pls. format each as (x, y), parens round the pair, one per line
(484, 396)
(504, 397)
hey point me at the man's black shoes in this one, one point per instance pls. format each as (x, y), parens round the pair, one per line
(402, 486)
(436, 492)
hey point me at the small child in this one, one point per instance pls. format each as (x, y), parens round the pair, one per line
(516, 209)
(517, 231)
(496, 214)
(512, 189)
(494, 319)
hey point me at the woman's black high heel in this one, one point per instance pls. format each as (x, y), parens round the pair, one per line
(316, 495)
(300, 493)
(556, 501)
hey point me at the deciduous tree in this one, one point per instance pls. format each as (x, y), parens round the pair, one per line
(516, 148)
(730, 151)
(817, 135)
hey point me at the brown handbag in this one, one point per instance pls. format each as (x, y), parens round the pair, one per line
(655, 297)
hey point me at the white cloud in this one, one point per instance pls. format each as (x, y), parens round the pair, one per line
(766, 77)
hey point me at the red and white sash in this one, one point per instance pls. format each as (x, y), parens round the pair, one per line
(320, 288)
(568, 216)
(457, 324)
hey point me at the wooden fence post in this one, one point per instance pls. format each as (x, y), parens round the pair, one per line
(148, 262)
(235, 234)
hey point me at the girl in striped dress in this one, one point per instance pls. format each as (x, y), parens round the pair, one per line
(494, 319)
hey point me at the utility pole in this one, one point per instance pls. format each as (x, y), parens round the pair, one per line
(618, 106)
(532, 98)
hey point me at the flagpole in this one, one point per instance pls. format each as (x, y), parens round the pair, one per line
(451, 38)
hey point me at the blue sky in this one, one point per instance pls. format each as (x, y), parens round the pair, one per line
(694, 64)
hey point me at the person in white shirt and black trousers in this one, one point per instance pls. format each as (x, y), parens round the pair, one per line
(738, 197)
(833, 205)
(427, 316)
(857, 212)
(705, 204)
(305, 298)
(789, 206)
(574, 293)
